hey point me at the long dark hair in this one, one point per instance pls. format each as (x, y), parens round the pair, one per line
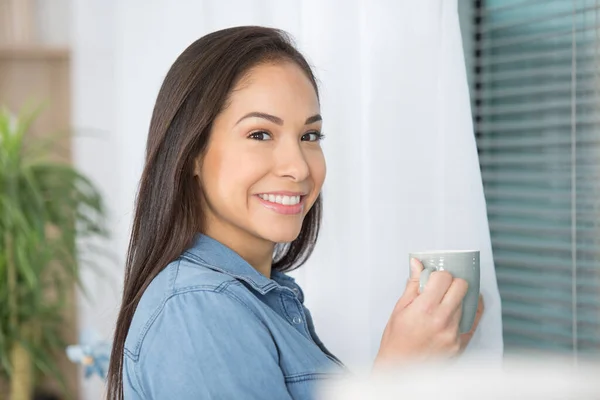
(167, 212)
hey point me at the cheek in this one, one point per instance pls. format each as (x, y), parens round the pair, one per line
(229, 172)
(318, 169)
(216, 173)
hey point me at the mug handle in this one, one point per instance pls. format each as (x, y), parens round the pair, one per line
(425, 277)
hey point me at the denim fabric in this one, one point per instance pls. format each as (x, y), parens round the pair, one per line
(210, 326)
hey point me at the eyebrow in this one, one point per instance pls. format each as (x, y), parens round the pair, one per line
(277, 120)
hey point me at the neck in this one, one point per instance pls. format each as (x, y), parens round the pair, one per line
(255, 251)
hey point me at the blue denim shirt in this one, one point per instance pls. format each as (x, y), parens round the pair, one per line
(210, 326)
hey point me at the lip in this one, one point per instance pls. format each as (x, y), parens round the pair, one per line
(285, 193)
(281, 208)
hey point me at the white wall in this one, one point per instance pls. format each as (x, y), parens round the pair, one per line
(53, 21)
(94, 38)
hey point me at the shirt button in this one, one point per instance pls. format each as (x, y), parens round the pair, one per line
(296, 291)
(297, 320)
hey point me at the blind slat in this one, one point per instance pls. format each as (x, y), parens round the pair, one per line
(588, 137)
(537, 194)
(554, 245)
(565, 13)
(558, 177)
(540, 262)
(559, 318)
(546, 160)
(536, 124)
(508, 6)
(517, 93)
(538, 76)
(542, 230)
(507, 277)
(561, 201)
(586, 52)
(544, 106)
(534, 296)
(556, 213)
(531, 327)
(536, 37)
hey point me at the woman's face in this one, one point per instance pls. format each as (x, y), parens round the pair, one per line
(264, 167)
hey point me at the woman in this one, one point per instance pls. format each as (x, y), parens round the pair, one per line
(229, 201)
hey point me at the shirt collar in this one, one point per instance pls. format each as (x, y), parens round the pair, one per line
(218, 257)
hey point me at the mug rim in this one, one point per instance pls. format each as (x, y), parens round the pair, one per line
(437, 252)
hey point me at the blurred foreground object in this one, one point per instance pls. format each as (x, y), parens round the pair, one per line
(45, 207)
(520, 378)
(92, 353)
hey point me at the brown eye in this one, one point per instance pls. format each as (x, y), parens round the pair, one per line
(312, 137)
(260, 135)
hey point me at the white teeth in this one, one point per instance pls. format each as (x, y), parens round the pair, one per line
(285, 200)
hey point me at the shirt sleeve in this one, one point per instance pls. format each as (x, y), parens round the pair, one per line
(209, 345)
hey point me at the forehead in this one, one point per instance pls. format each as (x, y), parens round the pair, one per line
(279, 89)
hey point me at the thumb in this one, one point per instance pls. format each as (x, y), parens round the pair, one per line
(416, 267)
(412, 286)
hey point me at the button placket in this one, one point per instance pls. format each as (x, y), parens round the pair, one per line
(294, 311)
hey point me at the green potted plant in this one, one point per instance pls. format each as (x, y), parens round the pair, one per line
(48, 212)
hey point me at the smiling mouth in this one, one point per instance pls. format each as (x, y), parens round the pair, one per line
(281, 199)
(282, 203)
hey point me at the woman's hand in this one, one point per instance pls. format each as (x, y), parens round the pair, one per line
(425, 326)
(465, 338)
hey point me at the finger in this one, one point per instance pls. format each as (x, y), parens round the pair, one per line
(416, 266)
(455, 294)
(456, 316)
(480, 310)
(438, 284)
(412, 286)
(455, 324)
(465, 338)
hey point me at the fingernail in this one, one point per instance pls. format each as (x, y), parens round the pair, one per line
(415, 265)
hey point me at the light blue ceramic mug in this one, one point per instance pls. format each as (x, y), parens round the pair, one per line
(462, 264)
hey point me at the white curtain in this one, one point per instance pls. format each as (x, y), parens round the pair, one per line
(403, 172)
(403, 167)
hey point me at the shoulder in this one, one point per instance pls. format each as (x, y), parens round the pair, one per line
(184, 289)
(196, 336)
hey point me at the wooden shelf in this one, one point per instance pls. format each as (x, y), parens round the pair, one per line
(33, 52)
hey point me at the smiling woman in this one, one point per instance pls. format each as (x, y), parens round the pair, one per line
(233, 175)
(229, 201)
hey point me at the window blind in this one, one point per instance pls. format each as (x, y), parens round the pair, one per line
(536, 106)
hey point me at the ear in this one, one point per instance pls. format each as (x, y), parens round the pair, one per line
(197, 166)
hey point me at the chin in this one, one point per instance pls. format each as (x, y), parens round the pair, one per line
(281, 234)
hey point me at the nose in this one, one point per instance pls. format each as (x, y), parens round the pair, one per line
(291, 161)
